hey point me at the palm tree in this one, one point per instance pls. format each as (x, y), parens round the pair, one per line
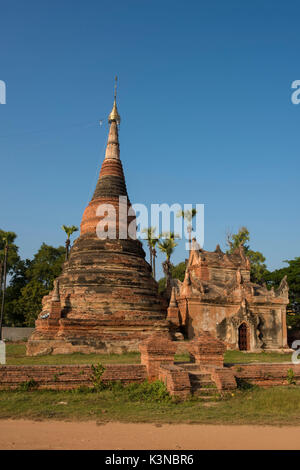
(188, 215)
(3, 280)
(69, 230)
(155, 240)
(151, 241)
(168, 244)
(149, 235)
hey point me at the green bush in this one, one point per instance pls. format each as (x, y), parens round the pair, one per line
(242, 384)
(97, 372)
(147, 391)
(28, 385)
(291, 377)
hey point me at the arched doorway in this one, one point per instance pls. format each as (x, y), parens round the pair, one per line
(244, 343)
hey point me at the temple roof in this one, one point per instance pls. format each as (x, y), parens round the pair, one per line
(226, 277)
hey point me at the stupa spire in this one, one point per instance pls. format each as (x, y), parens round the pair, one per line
(113, 147)
(111, 181)
(112, 151)
(114, 115)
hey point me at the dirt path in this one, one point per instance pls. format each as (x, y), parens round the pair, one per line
(21, 434)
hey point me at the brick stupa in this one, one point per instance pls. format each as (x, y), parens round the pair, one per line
(106, 299)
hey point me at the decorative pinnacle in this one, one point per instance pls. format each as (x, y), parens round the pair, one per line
(173, 301)
(55, 295)
(114, 115)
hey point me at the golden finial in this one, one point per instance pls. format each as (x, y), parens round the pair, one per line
(114, 115)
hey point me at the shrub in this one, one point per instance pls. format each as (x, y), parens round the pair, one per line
(97, 372)
(242, 384)
(27, 385)
(291, 377)
(147, 391)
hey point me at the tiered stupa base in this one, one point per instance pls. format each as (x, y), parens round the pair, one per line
(89, 337)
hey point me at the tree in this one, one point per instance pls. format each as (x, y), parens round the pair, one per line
(188, 215)
(152, 240)
(9, 256)
(12, 256)
(292, 271)
(259, 270)
(177, 272)
(69, 230)
(154, 255)
(30, 282)
(30, 301)
(168, 244)
(14, 315)
(46, 265)
(3, 281)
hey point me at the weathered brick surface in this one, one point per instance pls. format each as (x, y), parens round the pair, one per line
(175, 376)
(55, 310)
(175, 379)
(182, 347)
(157, 349)
(224, 378)
(65, 377)
(174, 316)
(205, 349)
(266, 375)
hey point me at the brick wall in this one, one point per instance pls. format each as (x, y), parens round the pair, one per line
(266, 375)
(65, 377)
(182, 347)
(175, 379)
(224, 378)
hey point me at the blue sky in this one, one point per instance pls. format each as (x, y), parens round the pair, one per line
(205, 100)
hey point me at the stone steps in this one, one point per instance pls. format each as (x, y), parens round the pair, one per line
(205, 393)
(190, 367)
(200, 376)
(202, 385)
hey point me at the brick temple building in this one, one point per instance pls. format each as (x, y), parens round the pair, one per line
(218, 296)
(106, 299)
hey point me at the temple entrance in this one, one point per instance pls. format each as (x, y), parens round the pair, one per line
(244, 337)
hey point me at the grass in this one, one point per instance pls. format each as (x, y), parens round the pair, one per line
(245, 357)
(273, 406)
(16, 354)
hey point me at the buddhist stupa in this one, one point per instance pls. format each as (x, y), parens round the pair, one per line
(106, 299)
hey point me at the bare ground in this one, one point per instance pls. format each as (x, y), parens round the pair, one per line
(25, 434)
